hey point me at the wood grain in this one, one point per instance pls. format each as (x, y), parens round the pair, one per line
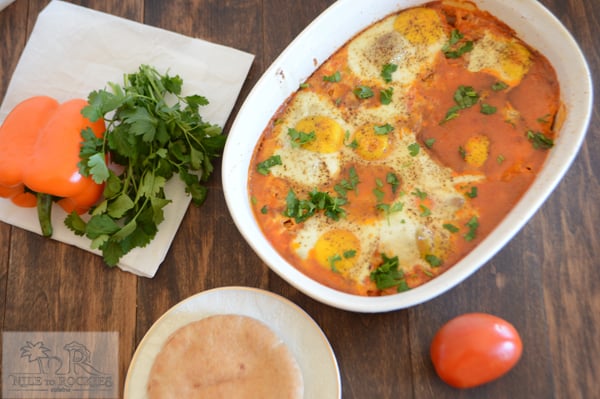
(546, 281)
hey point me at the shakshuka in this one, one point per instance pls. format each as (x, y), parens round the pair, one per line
(404, 149)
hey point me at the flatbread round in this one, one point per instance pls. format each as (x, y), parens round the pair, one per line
(225, 356)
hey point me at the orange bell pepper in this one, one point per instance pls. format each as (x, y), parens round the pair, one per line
(39, 155)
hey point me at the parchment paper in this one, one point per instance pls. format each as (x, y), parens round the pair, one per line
(5, 3)
(74, 50)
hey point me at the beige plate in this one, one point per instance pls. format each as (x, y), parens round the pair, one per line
(295, 327)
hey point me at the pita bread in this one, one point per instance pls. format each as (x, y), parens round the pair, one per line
(225, 356)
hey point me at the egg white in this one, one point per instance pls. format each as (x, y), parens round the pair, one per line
(382, 44)
(299, 165)
(368, 235)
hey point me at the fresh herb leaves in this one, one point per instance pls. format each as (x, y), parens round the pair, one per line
(264, 167)
(333, 78)
(472, 224)
(539, 140)
(302, 209)
(151, 139)
(363, 92)
(450, 227)
(419, 194)
(387, 275)
(349, 184)
(472, 193)
(413, 149)
(464, 97)
(299, 138)
(488, 109)
(383, 129)
(387, 71)
(433, 260)
(393, 180)
(499, 86)
(430, 142)
(385, 95)
(455, 47)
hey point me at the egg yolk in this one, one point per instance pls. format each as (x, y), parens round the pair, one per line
(329, 135)
(337, 250)
(477, 150)
(515, 62)
(507, 60)
(370, 144)
(420, 26)
(431, 244)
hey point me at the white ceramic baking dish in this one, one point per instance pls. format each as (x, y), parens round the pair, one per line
(532, 22)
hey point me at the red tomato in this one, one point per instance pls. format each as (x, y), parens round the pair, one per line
(474, 349)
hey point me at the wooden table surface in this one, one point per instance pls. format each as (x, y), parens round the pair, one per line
(546, 281)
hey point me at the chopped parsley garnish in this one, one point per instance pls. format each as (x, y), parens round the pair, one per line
(363, 92)
(472, 193)
(349, 184)
(351, 253)
(332, 259)
(387, 71)
(353, 144)
(413, 149)
(264, 210)
(451, 114)
(539, 141)
(383, 129)
(499, 86)
(299, 138)
(544, 119)
(304, 86)
(464, 97)
(333, 78)
(419, 194)
(450, 227)
(429, 142)
(433, 260)
(500, 158)
(487, 109)
(393, 181)
(387, 275)
(302, 209)
(379, 194)
(452, 49)
(385, 95)
(389, 209)
(264, 166)
(472, 224)
(425, 211)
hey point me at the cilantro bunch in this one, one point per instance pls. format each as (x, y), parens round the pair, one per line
(153, 133)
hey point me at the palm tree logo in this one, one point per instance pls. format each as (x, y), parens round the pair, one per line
(39, 353)
(78, 361)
